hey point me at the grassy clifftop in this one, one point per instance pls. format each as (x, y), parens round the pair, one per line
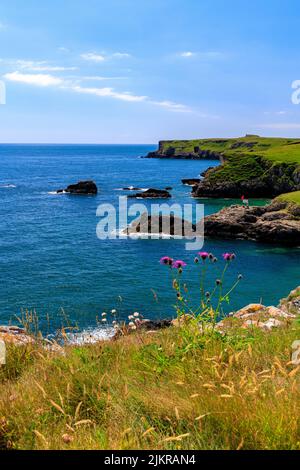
(251, 165)
(274, 149)
(293, 198)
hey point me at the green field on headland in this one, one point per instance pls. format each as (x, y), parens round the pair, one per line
(251, 165)
(274, 149)
(293, 198)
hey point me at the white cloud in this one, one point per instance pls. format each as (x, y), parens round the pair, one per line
(276, 113)
(203, 55)
(187, 54)
(42, 80)
(63, 49)
(124, 96)
(2, 26)
(121, 55)
(98, 78)
(97, 58)
(92, 57)
(42, 66)
(47, 80)
(172, 106)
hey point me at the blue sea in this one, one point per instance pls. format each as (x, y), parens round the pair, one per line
(51, 260)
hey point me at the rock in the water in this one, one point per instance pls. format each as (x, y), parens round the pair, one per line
(164, 225)
(152, 194)
(81, 188)
(191, 181)
(270, 224)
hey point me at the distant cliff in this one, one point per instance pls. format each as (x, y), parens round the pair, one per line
(251, 165)
(171, 149)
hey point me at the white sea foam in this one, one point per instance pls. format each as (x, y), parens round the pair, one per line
(131, 188)
(7, 186)
(146, 235)
(55, 193)
(91, 336)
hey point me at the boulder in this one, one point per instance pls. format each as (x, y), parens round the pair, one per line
(258, 316)
(269, 224)
(160, 224)
(81, 188)
(15, 335)
(291, 304)
(152, 194)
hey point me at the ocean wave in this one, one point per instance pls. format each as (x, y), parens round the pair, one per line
(55, 193)
(7, 186)
(154, 236)
(131, 188)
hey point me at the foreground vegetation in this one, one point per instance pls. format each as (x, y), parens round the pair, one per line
(189, 386)
(168, 390)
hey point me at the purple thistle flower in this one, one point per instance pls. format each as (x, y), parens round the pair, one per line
(229, 256)
(166, 261)
(178, 264)
(203, 255)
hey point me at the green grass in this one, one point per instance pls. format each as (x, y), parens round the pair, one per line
(247, 158)
(293, 198)
(274, 149)
(169, 390)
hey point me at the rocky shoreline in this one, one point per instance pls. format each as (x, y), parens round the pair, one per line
(249, 317)
(278, 223)
(271, 180)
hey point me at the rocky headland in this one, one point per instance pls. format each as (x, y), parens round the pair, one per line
(166, 149)
(278, 223)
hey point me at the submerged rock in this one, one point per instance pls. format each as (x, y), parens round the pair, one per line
(152, 194)
(81, 188)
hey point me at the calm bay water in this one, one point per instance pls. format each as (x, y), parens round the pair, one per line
(51, 259)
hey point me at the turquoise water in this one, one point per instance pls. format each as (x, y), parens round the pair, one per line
(51, 259)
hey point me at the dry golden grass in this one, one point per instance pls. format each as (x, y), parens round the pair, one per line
(171, 390)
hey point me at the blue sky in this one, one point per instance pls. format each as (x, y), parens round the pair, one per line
(129, 71)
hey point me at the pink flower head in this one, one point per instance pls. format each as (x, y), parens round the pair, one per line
(166, 260)
(178, 264)
(203, 255)
(229, 256)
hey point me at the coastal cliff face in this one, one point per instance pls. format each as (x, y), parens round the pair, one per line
(251, 165)
(166, 149)
(252, 176)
